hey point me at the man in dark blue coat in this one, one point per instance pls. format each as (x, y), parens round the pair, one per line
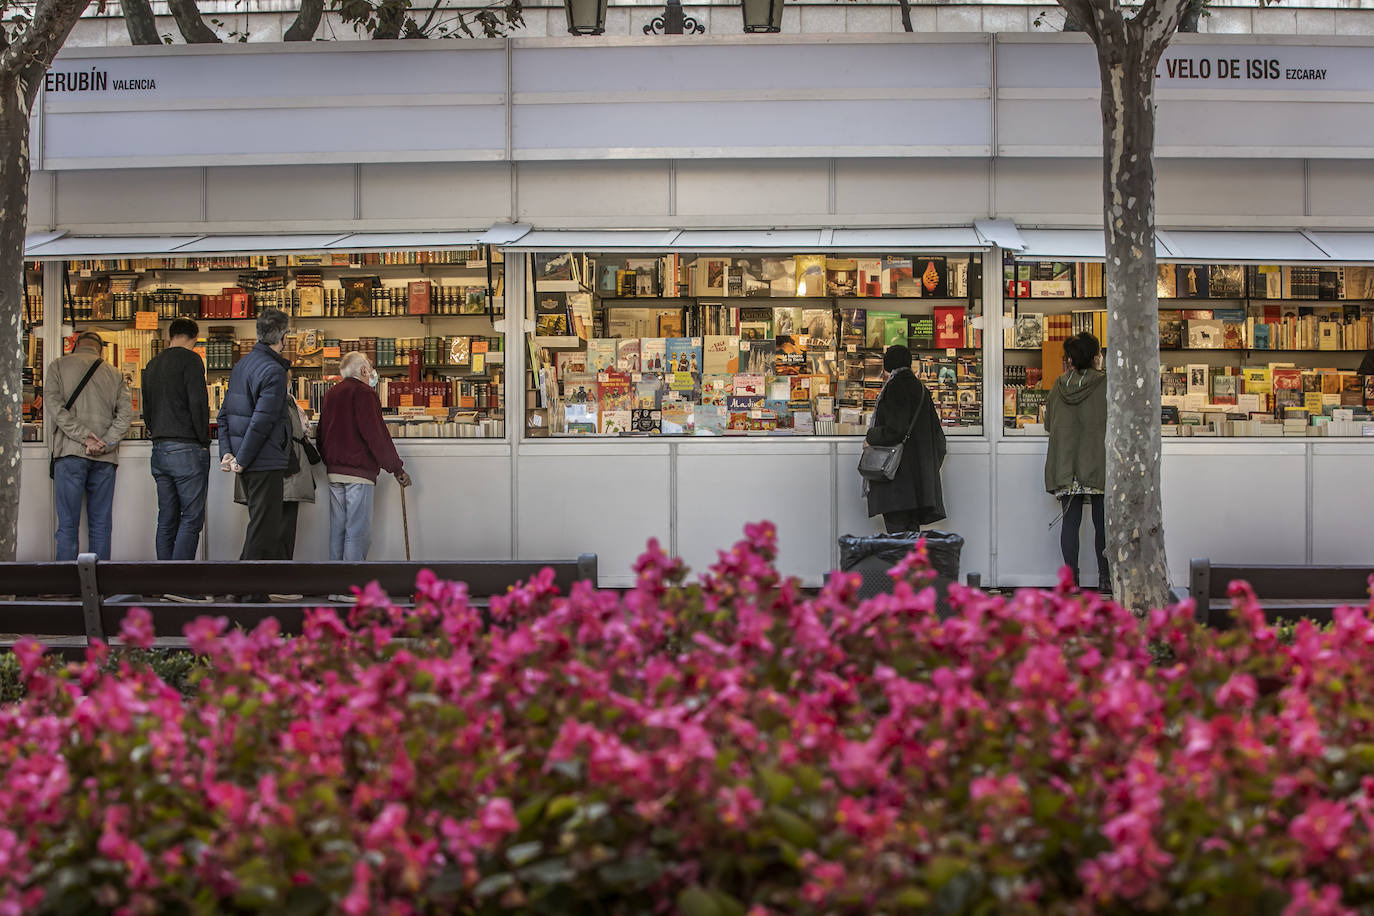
(255, 435)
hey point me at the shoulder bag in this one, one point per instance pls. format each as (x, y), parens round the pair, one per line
(76, 393)
(880, 462)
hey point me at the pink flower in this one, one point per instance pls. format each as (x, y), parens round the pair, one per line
(497, 820)
(1321, 829)
(137, 628)
(1239, 691)
(359, 899)
(1309, 901)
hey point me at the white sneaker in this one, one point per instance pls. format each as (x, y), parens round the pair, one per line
(342, 599)
(188, 599)
(285, 597)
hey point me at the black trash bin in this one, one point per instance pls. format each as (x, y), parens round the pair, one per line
(872, 555)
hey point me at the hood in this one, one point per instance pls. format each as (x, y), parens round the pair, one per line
(1077, 387)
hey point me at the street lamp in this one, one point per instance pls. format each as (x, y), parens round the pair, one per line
(762, 15)
(586, 17)
(674, 22)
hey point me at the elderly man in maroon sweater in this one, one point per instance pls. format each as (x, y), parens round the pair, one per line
(355, 445)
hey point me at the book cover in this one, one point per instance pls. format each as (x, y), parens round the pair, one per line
(1166, 282)
(876, 329)
(756, 356)
(580, 313)
(669, 325)
(616, 422)
(1225, 281)
(1204, 334)
(1028, 333)
(1170, 331)
(570, 361)
(789, 357)
(474, 301)
(1192, 281)
(711, 276)
(949, 326)
(646, 420)
(554, 266)
(1197, 379)
(756, 324)
(311, 301)
(653, 354)
(899, 277)
(551, 314)
(614, 391)
(580, 419)
(854, 326)
(579, 388)
(711, 419)
(818, 325)
(684, 354)
(720, 355)
(870, 277)
(841, 277)
(786, 321)
(627, 355)
(357, 296)
(934, 277)
(921, 330)
(601, 353)
(1225, 388)
(895, 331)
(1173, 382)
(748, 384)
(1256, 380)
(676, 417)
(810, 274)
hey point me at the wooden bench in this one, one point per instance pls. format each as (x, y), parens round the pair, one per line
(87, 599)
(1285, 592)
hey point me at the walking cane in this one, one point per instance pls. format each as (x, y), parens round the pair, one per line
(405, 523)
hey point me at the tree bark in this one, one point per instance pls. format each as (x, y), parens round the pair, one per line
(1135, 521)
(307, 21)
(1192, 15)
(138, 19)
(24, 59)
(905, 6)
(189, 24)
(1128, 51)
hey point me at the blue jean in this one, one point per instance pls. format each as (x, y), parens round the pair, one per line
(182, 473)
(350, 520)
(77, 479)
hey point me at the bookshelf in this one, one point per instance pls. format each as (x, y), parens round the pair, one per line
(720, 345)
(32, 424)
(1245, 350)
(427, 320)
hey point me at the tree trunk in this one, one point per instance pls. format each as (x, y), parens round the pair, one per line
(192, 27)
(14, 202)
(1135, 522)
(306, 22)
(1192, 15)
(138, 19)
(906, 15)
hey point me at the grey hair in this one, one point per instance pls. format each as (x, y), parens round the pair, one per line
(272, 324)
(354, 365)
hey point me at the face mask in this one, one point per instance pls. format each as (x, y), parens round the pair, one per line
(373, 380)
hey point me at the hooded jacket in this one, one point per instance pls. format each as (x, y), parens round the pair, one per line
(905, 402)
(1076, 418)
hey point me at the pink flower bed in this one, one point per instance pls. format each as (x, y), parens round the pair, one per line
(715, 748)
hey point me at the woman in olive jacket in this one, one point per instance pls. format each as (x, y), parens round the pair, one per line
(914, 497)
(1076, 462)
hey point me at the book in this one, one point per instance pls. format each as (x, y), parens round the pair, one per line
(789, 358)
(684, 354)
(1170, 331)
(899, 278)
(1028, 332)
(627, 355)
(921, 331)
(870, 281)
(1204, 334)
(646, 420)
(786, 321)
(1225, 388)
(895, 331)
(551, 314)
(756, 324)
(720, 354)
(1256, 380)
(1192, 281)
(580, 314)
(949, 326)
(1166, 282)
(1225, 281)
(876, 330)
(853, 326)
(810, 274)
(841, 277)
(554, 266)
(756, 356)
(934, 277)
(1197, 379)
(652, 354)
(601, 353)
(669, 324)
(818, 326)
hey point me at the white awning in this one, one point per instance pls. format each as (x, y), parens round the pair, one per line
(109, 246)
(259, 244)
(953, 238)
(781, 240)
(1237, 246)
(399, 241)
(594, 240)
(1000, 232)
(34, 239)
(1062, 245)
(1344, 246)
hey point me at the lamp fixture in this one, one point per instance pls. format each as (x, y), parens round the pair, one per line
(674, 22)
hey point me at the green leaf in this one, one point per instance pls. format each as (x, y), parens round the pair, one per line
(793, 827)
(550, 871)
(694, 901)
(561, 807)
(523, 853)
(493, 884)
(634, 873)
(727, 905)
(529, 812)
(779, 785)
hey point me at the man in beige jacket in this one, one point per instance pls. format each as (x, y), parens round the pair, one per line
(87, 426)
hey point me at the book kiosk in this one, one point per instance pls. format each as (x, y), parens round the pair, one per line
(604, 312)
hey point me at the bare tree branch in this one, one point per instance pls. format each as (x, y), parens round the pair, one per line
(192, 27)
(139, 20)
(905, 6)
(306, 22)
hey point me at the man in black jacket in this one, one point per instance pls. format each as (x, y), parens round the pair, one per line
(906, 413)
(176, 407)
(255, 435)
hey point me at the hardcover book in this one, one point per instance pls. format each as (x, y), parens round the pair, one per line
(949, 326)
(789, 358)
(684, 354)
(721, 355)
(810, 273)
(756, 356)
(627, 355)
(870, 277)
(841, 277)
(653, 354)
(819, 327)
(786, 320)
(933, 276)
(1225, 281)
(1192, 281)
(877, 328)
(899, 277)
(601, 352)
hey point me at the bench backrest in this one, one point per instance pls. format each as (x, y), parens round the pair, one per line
(1347, 583)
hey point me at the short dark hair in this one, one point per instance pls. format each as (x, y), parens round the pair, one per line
(272, 324)
(183, 327)
(896, 357)
(1082, 349)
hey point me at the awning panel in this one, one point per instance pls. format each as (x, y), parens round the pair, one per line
(107, 246)
(784, 240)
(34, 239)
(258, 244)
(1062, 244)
(954, 238)
(595, 240)
(1000, 232)
(1345, 246)
(1238, 246)
(396, 241)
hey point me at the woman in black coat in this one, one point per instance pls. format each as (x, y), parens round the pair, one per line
(914, 496)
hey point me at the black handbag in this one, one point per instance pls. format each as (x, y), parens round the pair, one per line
(80, 386)
(312, 454)
(880, 462)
